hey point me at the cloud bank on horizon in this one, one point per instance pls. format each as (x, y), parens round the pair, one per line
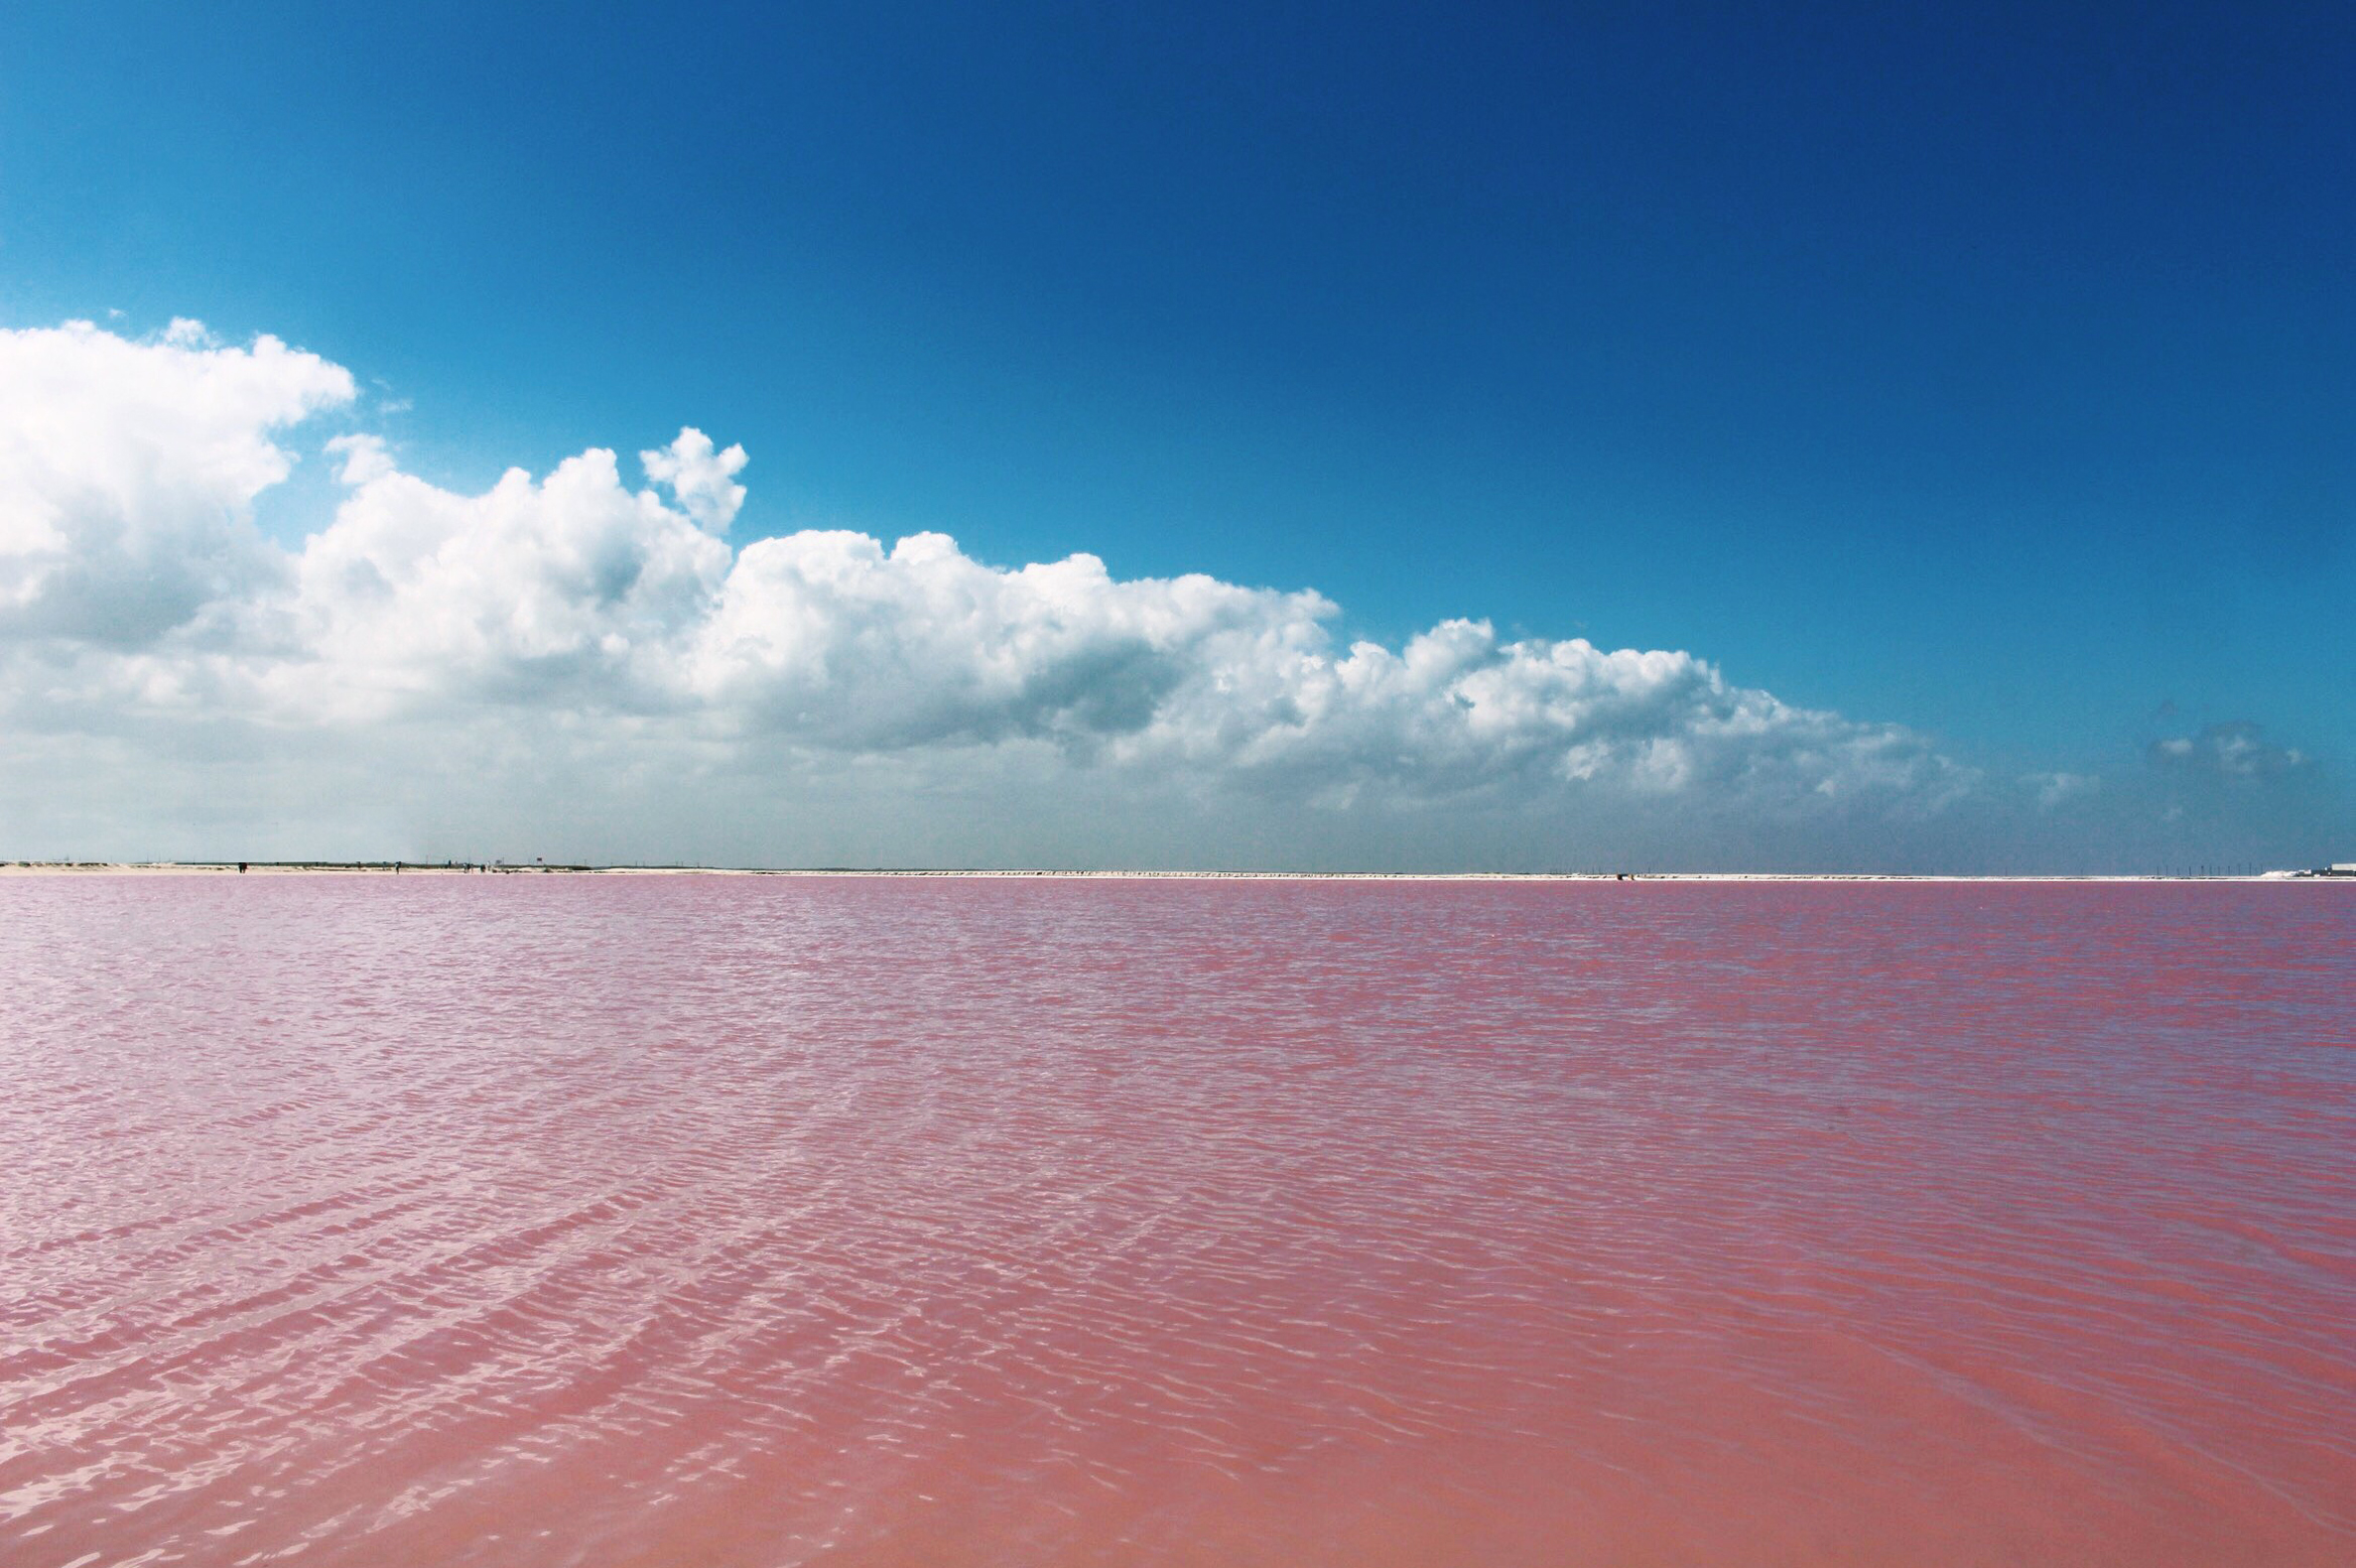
(594, 667)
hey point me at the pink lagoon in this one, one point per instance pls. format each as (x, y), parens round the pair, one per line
(769, 1220)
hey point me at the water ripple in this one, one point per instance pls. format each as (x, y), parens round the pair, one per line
(506, 1221)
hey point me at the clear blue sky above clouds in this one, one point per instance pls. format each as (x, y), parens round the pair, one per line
(1987, 369)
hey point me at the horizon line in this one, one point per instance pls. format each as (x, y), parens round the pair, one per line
(2338, 871)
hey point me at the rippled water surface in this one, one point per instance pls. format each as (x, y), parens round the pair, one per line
(690, 1221)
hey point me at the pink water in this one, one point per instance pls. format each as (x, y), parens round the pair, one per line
(700, 1221)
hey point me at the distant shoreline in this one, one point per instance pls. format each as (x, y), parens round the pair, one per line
(448, 868)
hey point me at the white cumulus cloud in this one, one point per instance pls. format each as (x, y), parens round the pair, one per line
(580, 636)
(704, 481)
(128, 472)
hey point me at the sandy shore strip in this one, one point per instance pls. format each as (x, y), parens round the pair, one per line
(497, 868)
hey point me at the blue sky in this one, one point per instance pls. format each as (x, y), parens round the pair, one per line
(1986, 370)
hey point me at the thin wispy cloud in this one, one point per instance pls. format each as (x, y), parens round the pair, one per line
(2235, 749)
